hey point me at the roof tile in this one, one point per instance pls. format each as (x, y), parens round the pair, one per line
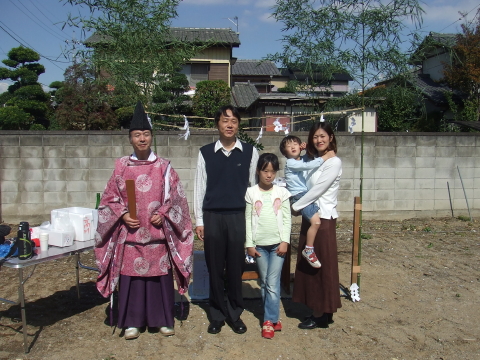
(244, 95)
(255, 67)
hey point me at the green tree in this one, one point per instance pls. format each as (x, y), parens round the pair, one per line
(14, 118)
(132, 43)
(290, 87)
(169, 96)
(463, 73)
(55, 85)
(25, 93)
(400, 110)
(209, 96)
(84, 101)
(4, 97)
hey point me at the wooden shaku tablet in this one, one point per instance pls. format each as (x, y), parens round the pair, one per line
(132, 202)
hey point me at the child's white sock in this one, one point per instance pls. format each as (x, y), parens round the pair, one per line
(308, 249)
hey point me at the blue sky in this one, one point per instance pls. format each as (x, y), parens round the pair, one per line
(37, 24)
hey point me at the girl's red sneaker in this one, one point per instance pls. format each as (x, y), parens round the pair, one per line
(267, 330)
(277, 326)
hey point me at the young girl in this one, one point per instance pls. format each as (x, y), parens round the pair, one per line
(268, 224)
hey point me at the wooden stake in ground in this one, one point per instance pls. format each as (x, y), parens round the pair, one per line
(132, 202)
(356, 240)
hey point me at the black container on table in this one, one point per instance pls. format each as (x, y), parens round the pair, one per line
(24, 241)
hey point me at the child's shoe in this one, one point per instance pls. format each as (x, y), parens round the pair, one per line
(277, 326)
(310, 256)
(267, 330)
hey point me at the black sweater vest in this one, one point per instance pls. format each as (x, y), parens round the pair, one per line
(227, 178)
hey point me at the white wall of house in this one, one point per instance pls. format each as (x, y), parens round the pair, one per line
(434, 66)
(341, 86)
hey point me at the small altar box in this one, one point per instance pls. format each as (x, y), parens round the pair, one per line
(84, 220)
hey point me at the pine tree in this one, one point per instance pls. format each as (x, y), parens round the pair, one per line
(25, 94)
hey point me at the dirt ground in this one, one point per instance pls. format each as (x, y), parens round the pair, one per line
(420, 290)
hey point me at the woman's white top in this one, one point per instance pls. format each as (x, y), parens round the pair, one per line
(323, 185)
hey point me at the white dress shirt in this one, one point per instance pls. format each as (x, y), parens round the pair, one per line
(323, 185)
(200, 186)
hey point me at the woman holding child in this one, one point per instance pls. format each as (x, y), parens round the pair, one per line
(318, 288)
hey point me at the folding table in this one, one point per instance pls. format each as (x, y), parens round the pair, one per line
(53, 253)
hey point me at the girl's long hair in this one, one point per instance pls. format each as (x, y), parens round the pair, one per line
(311, 150)
(268, 158)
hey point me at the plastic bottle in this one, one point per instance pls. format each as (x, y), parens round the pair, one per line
(98, 201)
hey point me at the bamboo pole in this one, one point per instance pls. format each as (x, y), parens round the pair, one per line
(356, 240)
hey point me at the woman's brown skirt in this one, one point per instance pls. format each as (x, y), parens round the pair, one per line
(318, 288)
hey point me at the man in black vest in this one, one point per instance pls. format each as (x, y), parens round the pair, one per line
(225, 169)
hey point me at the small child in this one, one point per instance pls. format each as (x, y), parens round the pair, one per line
(291, 147)
(268, 225)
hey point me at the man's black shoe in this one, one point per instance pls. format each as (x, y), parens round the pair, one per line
(215, 327)
(314, 322)
(237, 326)
(308, 324)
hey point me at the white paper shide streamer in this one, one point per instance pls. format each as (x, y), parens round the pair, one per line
(352, 124)
(259, 135)
(322, 119)
(354, 292)
(185, 127)
(280, 127)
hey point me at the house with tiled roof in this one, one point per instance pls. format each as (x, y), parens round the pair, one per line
(255, 92)
(216, 61)
(429, 59)
(213, 63)
(261, 74)
(432, 53)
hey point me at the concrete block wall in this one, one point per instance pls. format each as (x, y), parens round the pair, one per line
(404, 174)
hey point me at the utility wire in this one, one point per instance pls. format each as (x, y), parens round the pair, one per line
(41, 12)
(462, 17)
(22, 43)
(31, 47)
(42, 26)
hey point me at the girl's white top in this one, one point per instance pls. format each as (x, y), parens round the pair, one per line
(281, 228)
(323, 185)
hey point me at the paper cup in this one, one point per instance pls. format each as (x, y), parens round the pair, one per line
(44, 242)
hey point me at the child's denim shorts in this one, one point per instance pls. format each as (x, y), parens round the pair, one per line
(308, 211)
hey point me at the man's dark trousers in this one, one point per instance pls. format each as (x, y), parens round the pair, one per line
(225, 253)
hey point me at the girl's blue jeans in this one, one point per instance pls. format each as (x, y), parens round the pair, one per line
(270, 270)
